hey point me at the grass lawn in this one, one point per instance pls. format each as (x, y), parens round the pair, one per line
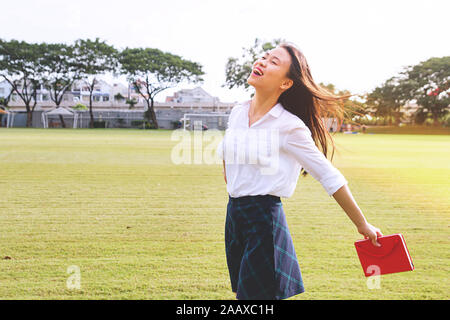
(139, 227)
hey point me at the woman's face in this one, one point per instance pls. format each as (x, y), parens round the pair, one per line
(270, 71)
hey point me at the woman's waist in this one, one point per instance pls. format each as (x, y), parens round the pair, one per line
(254, 198)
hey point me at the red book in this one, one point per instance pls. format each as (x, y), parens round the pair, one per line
(393, 255)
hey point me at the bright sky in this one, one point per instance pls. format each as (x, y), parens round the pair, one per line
(356, 45)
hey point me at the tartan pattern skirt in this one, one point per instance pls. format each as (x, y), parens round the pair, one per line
(260, 253)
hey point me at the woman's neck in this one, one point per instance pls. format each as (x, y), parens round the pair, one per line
(262, 102)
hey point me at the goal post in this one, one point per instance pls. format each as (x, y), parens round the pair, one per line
(195, 121)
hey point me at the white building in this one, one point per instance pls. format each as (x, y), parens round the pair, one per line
(79, 93)
(119, 88)
(104, 97)
(196, 95)
(102, 92)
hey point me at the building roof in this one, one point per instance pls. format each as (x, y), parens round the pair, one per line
(61, 111)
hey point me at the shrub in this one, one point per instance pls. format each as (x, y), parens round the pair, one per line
(80, 106)
(428, 122)
(99, 124)
(119, 97)
(446, 120)
(131, 103)
(420, 116)
(142, 124)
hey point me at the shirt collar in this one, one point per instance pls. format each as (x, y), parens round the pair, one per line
(275, 111)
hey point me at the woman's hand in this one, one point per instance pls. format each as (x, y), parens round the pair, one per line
(371, 232)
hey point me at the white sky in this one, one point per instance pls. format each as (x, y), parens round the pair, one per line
(356, 45)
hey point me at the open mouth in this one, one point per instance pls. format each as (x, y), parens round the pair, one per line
(257, 72)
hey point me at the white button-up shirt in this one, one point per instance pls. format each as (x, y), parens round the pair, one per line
(267, 157)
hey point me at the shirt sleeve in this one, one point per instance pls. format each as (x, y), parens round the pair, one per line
(219, 150)
(300, 144)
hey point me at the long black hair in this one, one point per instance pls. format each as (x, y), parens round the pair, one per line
(311, 102)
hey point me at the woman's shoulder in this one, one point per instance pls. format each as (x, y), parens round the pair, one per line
(291, 120)
(239, 106)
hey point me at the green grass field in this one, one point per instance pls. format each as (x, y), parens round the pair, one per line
(409, 129)
(139, 227)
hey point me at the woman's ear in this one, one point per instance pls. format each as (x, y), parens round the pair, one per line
(286, 84)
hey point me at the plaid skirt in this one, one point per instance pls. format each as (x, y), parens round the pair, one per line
(260, 253)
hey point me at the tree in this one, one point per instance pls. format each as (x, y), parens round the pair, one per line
(19, 67)
(429, 84)
(237, 70)
(59, 70)
(151, 71)
(93, 59)
(131, 103)
(352, 109)
(388, 99)
(119, 97)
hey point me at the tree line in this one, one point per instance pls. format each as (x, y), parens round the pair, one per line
(426, 84)
(56, 66)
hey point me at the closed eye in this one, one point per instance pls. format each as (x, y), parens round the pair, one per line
(274, 59)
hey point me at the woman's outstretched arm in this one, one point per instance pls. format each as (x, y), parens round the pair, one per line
(344, 198)
(299, 142)
(224, 172)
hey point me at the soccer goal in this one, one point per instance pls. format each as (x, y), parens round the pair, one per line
(202, 121)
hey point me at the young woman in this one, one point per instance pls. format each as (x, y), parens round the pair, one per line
(269, 141)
